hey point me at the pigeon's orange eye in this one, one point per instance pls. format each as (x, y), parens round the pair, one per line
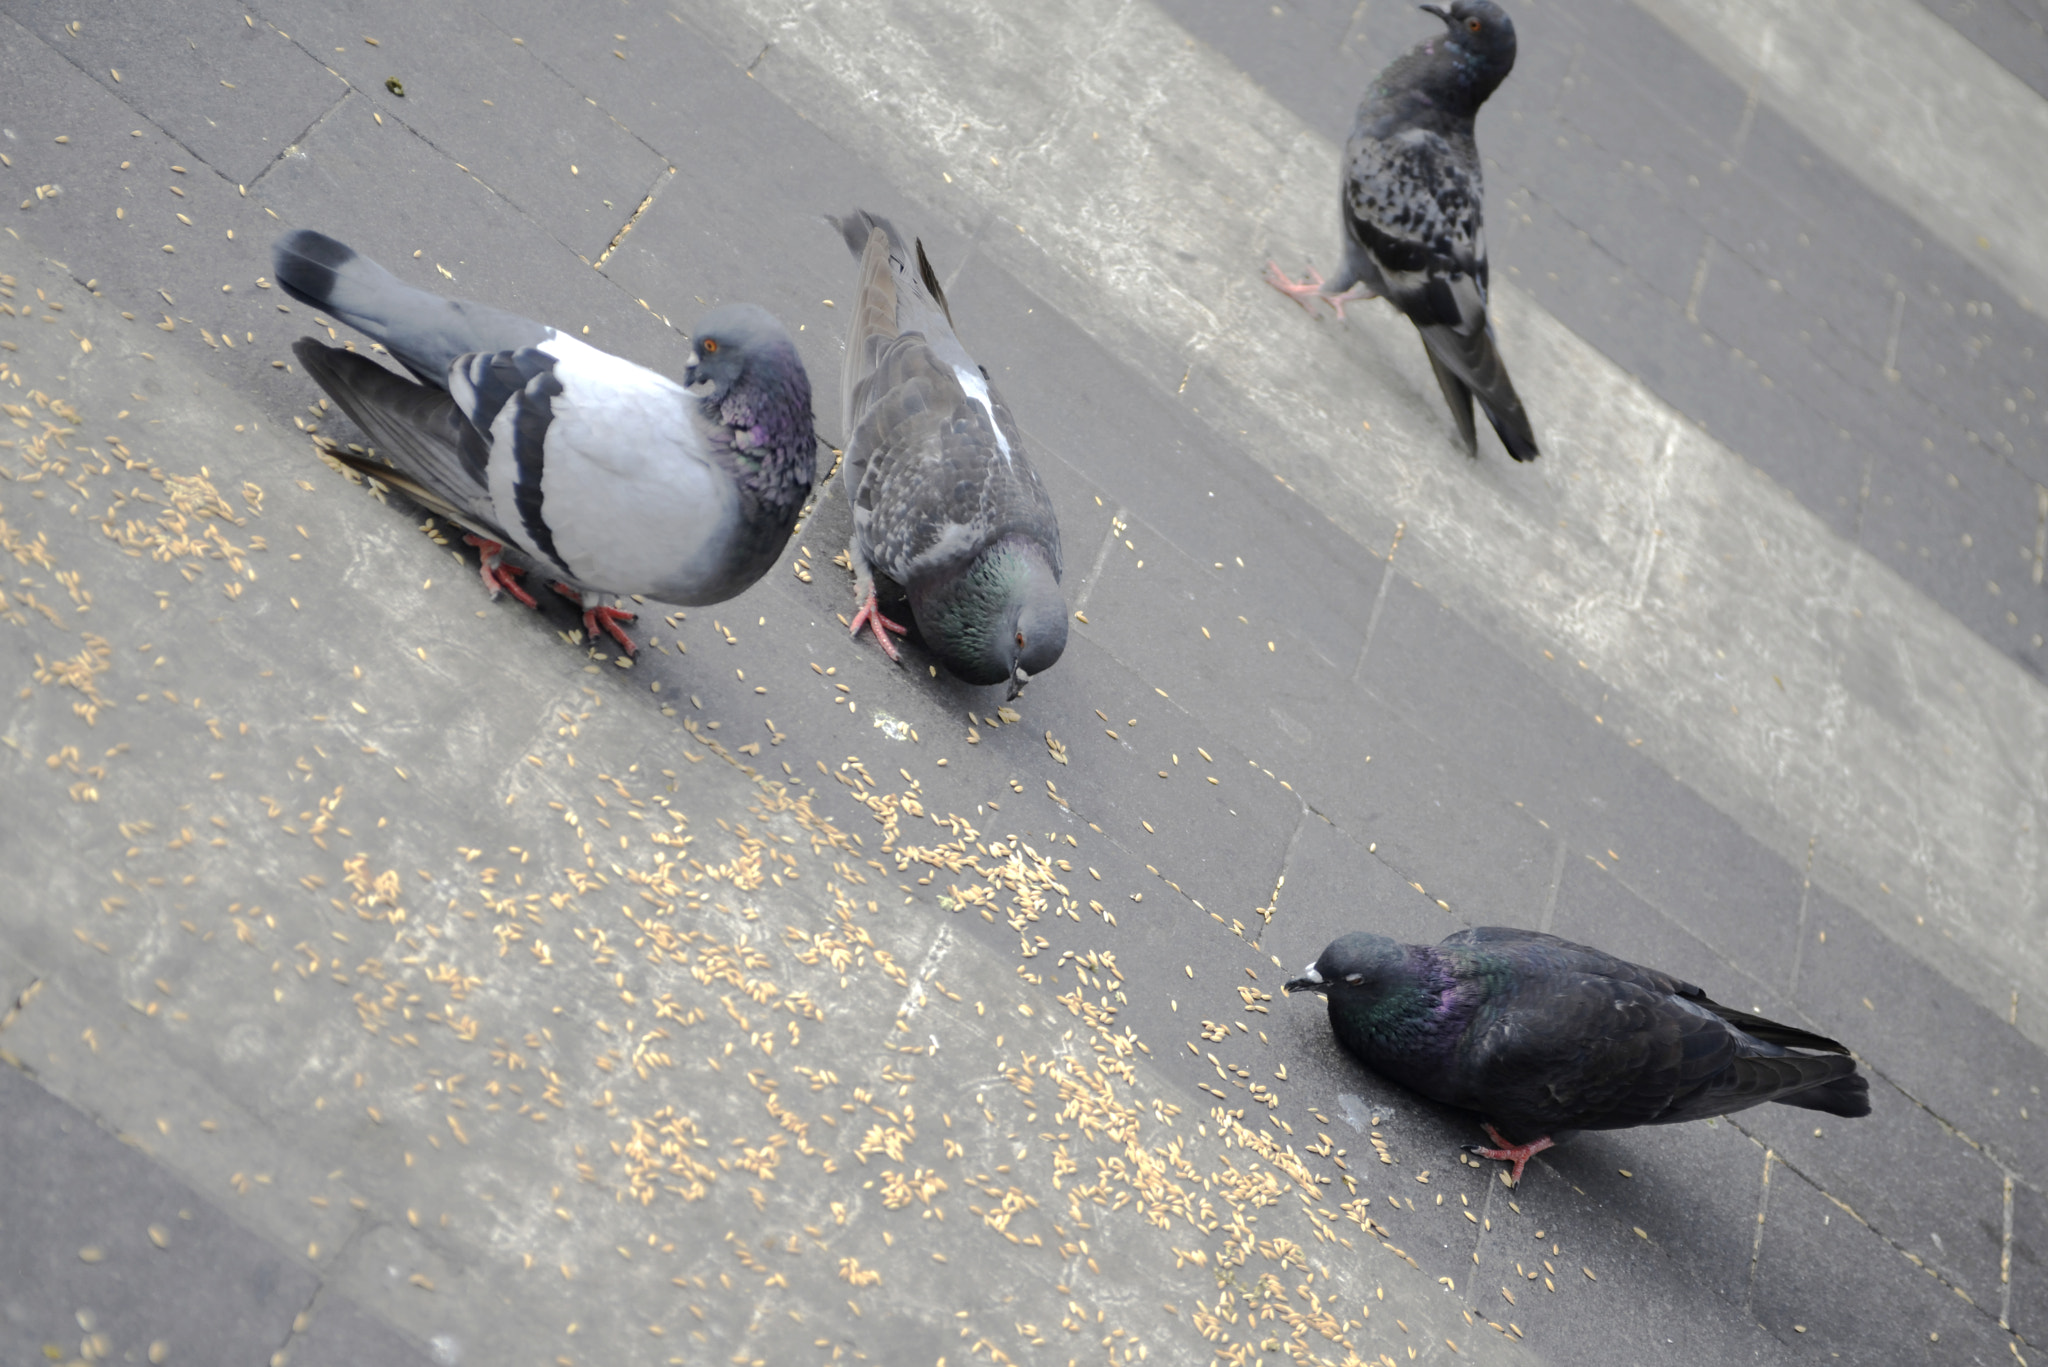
(710, 347)
(1020, 640)
(1472, 24)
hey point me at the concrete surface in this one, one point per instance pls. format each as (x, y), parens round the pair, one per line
(393, 977)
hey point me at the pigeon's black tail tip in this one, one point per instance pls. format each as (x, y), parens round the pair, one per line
(1847, 1096)
(854, 227)
(308, 264)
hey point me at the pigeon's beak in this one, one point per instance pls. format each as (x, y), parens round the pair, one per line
(1017, 682)
(1309, 981)
(698, 386)
(1438, 10)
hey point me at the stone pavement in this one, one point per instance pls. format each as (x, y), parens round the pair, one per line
(373, 995)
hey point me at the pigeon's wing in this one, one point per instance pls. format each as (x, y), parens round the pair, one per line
(1552, 952)
(1413, 206)
(943, 471)
(428, 449)
(1573, 1051)
(598, 467)
(424, 331)
(1533, 949)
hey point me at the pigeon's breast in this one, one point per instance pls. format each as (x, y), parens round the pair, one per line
(626, 490)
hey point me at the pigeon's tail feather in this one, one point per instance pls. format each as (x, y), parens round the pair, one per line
(920, 303)
(1844, 1096)
(1473, 358)
(1459, 398)
(874, 309)
(429, 450)
(424, 331)
(856, 226)
(1771, 1032)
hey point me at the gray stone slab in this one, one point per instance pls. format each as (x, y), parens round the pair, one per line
(1961, 526)
(579, 174)
(1951, 1215)
(390, 193)
(340, 1333)
(232, 90)
(100, 1241)
(1587, 783)
(1944, 1052)
(1800, 446)
(2027, 1297)
(1654, 1298)
(1393, 787)
(2013, 33)
(1888, 1311)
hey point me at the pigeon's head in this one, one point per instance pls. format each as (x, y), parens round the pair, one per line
(1481, 38)
(1001, 620)
(740, 343)
(1038, 635)
(1360, 966)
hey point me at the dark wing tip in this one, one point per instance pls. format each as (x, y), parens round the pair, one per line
(931, 281)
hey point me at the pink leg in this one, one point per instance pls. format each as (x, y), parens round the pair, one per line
(1358, 293)
(1309, 289)
(603, 621)
(1518, 1154)
(870, 616)
(497, 576)
(1304, 291)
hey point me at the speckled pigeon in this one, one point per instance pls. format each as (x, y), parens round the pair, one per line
(1412, 214)
(947, 512)
(1543, 1037)
(603, 475)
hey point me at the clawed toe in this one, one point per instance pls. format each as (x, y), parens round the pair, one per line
(870, 616)
(1304, 291)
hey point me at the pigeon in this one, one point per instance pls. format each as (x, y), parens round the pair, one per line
(947, 512)
(602, 475)
(1544, 1038)
(1412, 214)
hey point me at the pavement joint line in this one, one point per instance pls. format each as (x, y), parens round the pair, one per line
(1763, 1210)
(661, 182)
(1102, 550)
(1379, 603)
(1557, 863)
(2005, 1260)
(1941, 826)
(1903, 101)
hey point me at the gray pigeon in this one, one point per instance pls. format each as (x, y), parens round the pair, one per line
(1412, 214)
(1544, 1037)
(603, 475)
(947, 512)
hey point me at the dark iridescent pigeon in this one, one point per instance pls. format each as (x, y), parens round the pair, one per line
(947, 512)
(1543, 1037)
(1412, 214)
(603, 475)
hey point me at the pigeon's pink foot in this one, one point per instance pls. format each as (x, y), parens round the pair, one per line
(870, 616)
(1518, 1154)
(602, 621)
(1357, 294)
(1304, 291)
(498, 576)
